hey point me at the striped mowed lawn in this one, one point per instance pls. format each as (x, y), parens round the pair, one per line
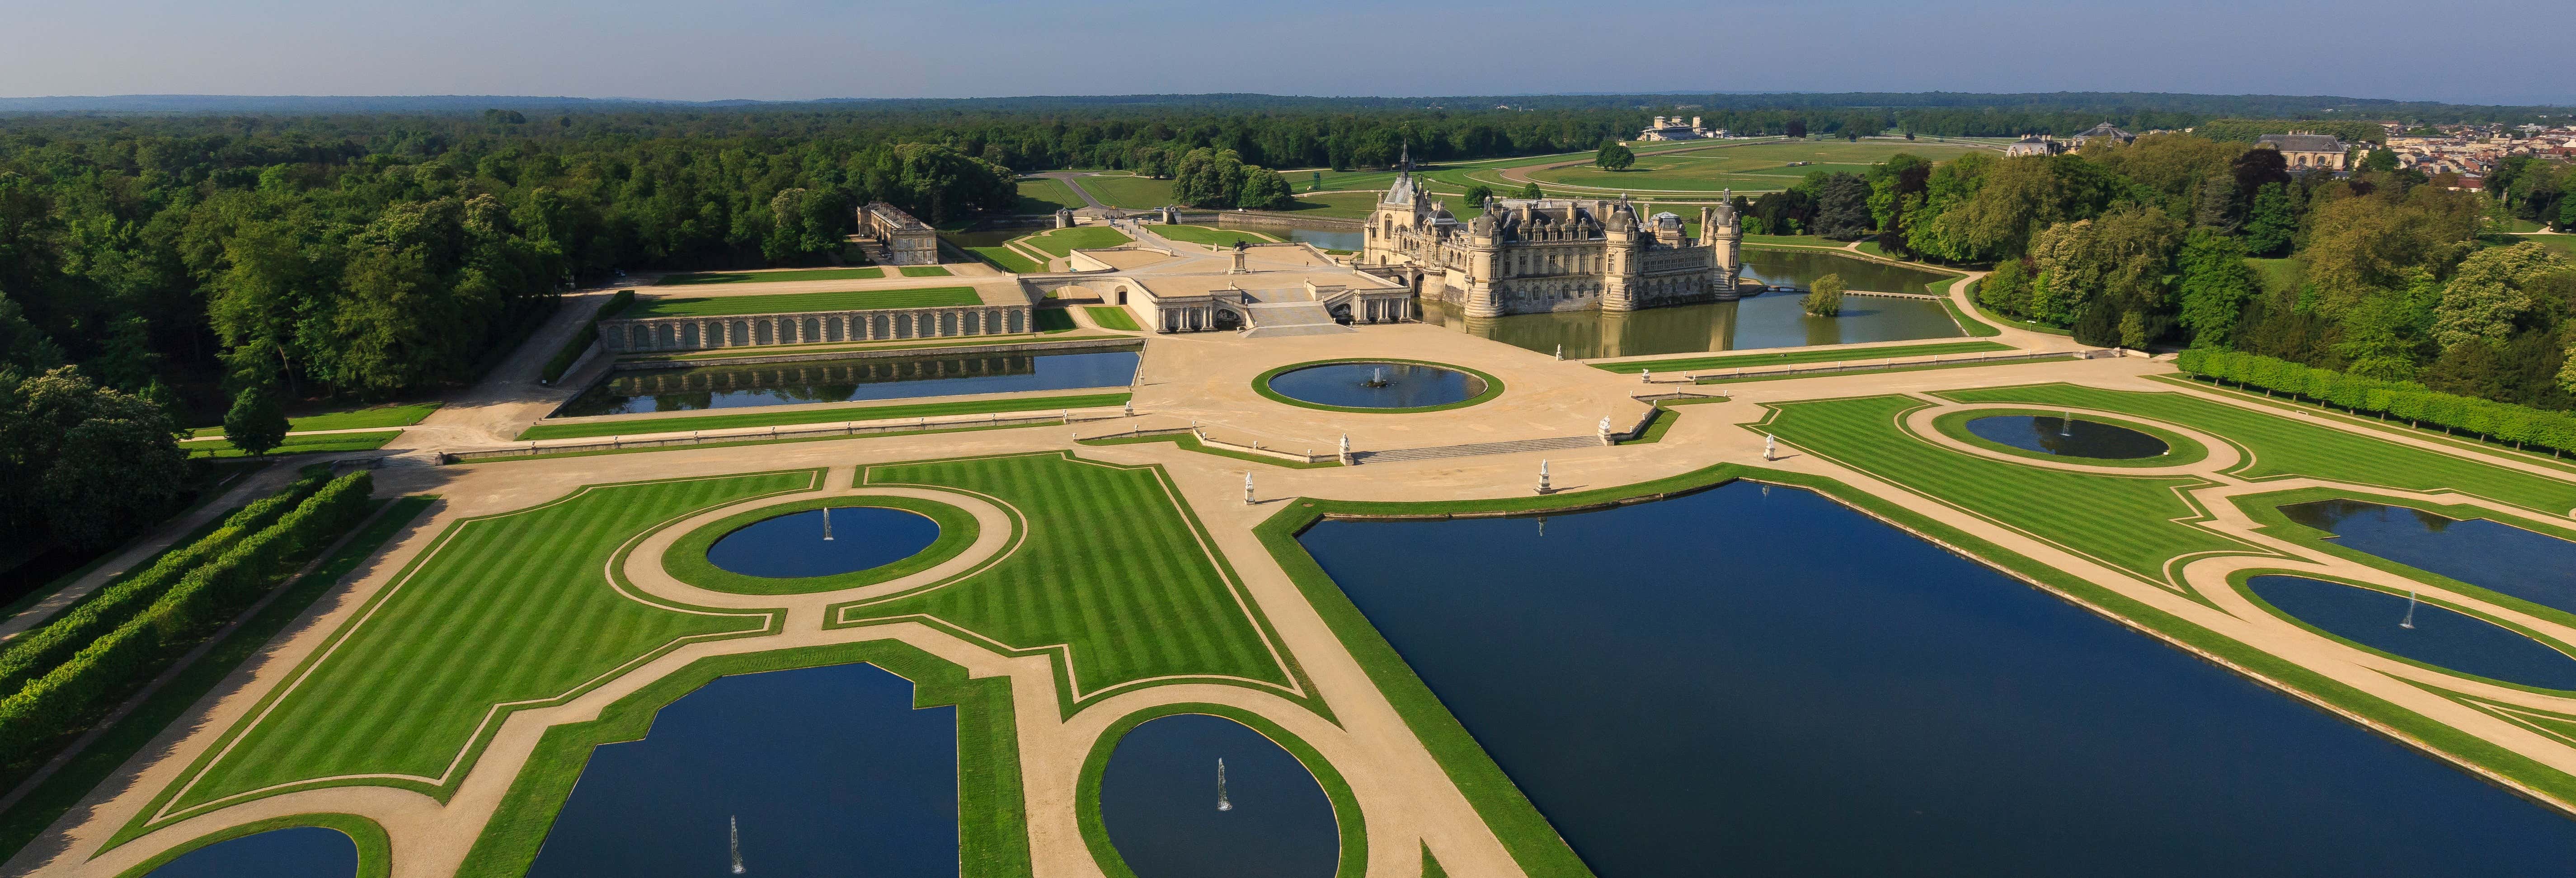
(2123, 521)
(2285, 446)
(514, 607)
(1112, 565)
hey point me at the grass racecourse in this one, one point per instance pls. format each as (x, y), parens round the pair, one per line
(1750, 167)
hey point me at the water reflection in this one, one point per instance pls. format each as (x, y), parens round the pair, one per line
(1802, 267)
(2404, 626)
(1170, 816)
(823, 542)
(293, 852)
(720, 387)
(2535, 567)
(1770, 320)
(1377, 385)
(1745, 681)
(2050, 434)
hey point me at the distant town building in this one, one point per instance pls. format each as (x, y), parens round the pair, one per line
(892, 237)
(1673, 129)
(2301, 150)
(2036, 144)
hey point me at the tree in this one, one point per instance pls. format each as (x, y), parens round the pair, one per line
(1842, 207)
(88, 464)
(2006, 291)
(1613, 157)
(2490, 292)
(2216, 283)
(2269, 223)
(1825, 296)
(1531, 192)
(2378, 161)
(1797, 128)
(257, 421)
(1477, 195)
(1263, 189)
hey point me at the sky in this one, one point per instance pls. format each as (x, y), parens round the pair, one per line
(805, 49)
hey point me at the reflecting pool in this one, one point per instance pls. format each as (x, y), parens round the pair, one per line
(1328, 239)
(723, 387)
(293, 852)
(823, 542)
(2535, 567)
(1800, 268)
(1757, 680)
(826, 771)
(2050, 434)
(1769, 320)
(1377, 385)
(2424, 632)
(1170, 816)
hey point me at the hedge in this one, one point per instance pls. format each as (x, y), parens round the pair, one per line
(27, 657)
(202, 601)
(2417, 404)
(581, 341)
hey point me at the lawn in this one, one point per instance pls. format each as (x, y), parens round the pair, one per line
(1003, 258)
(925, 271)
(1750, 167)
(1344, 205)
(1045, 320)
(352, 419)
(307, 444)
(1132, 193)
(2564, 244)
(1115, 578)
(1062, 242)
(1047, 195)
(790, 303)
(1213, 237)
(1113, 317)
(501, 612)
(1750, 361)
(819, 416)
(762, 277)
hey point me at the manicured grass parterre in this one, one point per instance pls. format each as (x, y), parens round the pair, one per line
(1115, 581)
(789, 303)
(762, 277)
(1062, 242)
(1213, 237)
(1006, 259)
(820, 416)
(307, 444)
(925, 271)
(1047, 195)
(1046, 320)
(2180, 450)
(1113, 317)
(1791, 358)
(500, 613)
(1339, 205)
(1261, 385)
(1130, 192)
(352, 419)
(687, 558)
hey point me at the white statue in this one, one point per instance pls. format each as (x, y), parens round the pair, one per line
(1769, 445)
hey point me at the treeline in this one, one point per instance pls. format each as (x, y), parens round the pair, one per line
(2413, 403)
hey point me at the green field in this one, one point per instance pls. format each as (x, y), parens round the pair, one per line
(1132, 193)
(1752, 167)
(1213, 237)
(791, 303)
(1062, 242)
(1113, 317)
(818, 416)
(763, 277)
(1342, 205)
(501, 612)
(1116, 578)
(1755, 361)
(1000, 257)
(1047, 195)
(307, 444)
(925, 271)
(352, 419)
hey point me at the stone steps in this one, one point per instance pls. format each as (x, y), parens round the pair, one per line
(407, 460)
(1474, 449)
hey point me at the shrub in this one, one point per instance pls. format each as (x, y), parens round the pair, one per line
(2414, 403)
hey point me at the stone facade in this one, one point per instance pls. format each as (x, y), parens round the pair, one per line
(2303, 151)
(747, 330)
(2036, 144)
(1673, 129)
(893, 237)
(1531, 256)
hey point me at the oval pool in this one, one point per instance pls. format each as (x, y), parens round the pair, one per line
(1170, 816)
(293, 852)
(2439, 636)
(1372, 385)
(2050, 434)
(2500, 557)
(794, 545)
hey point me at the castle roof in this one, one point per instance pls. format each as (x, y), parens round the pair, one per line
(2303, 142)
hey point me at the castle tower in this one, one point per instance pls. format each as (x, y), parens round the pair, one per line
(1484, 252)
(1721, 230)
(1624, 246)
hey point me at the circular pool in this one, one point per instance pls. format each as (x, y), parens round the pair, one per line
(2405, 626)
(823, 542)
(1377, 385)
(1192, 794)
(2051, 434)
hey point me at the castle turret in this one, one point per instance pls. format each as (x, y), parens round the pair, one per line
(1484, 263)
(1624, 248)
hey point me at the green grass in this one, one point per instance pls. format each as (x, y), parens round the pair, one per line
(2279, 276)
(500, 613)
(1047, 195)
(925, 271)
(1189, 442)
(1975, 328)
(1751, 167)
(791, 303)
(1132, 193)
(1062, 242)
(819, 416)
(1261, 385)
(1113, 577)
(1926, 368)
(762, 277)
(374, 848)
(1792, 241)
(755, 440)
(2391, 427)
(352, 419)
(1113, 317)
(1343, 205)
(992, 834)
(1006, 259)
(1213, 237)
(1752, 361)
(308, 444)
(1045, 320)
(2564, 244)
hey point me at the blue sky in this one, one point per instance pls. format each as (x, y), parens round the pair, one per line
(793, 49)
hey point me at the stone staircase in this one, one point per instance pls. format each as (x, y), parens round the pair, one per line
(1276, 319)
(407, 460)
(1474, 449)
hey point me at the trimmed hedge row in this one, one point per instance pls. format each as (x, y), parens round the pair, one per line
(581, 341)
(41, 649)
(2419, 405)
(203, 600)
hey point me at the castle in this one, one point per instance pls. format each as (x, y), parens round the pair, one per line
(1527, 256)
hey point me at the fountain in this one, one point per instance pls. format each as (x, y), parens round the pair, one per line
(1221, 803)
(1377, 378)
(733, 828)
(2409, 622)
(827, 524)
(2066, 425)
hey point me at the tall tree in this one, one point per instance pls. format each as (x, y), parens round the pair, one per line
(2216, 284)
(257, 421)
(1612, 156)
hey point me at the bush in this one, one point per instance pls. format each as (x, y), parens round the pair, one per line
(2414, 403)
(205, 598)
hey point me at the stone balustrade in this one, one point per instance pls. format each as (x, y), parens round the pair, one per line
(752, 330)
